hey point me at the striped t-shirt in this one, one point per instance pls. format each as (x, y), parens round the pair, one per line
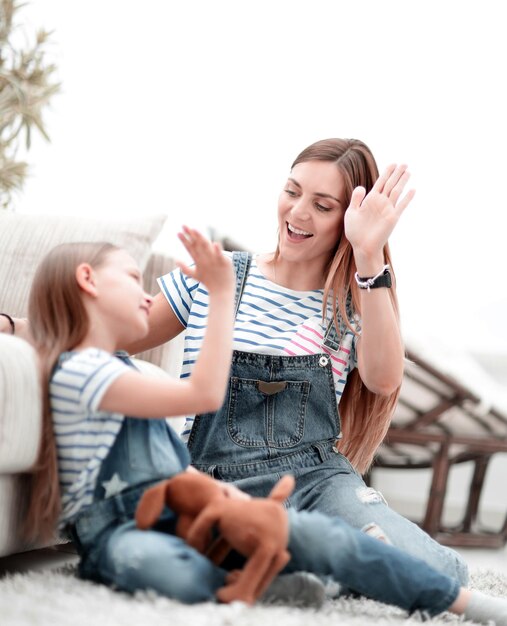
(271, 320)
(84, 435)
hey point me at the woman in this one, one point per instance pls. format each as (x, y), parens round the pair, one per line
(335, 215)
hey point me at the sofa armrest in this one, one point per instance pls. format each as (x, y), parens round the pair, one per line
(20, 405)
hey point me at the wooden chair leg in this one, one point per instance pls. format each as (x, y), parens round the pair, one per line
(470, 517)
(503, 531)
(433, 519)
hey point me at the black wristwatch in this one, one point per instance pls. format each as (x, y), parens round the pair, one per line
(382, 279)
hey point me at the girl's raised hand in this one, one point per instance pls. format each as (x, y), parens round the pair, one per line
(211, 267)
(370, 219)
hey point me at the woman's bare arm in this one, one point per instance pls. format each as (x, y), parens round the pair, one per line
(21, 327)
(164, 326)
(368, 222)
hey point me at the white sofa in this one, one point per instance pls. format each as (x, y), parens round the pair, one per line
(23, 241)
(20, 406)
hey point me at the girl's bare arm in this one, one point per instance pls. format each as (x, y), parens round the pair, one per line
(136, 394)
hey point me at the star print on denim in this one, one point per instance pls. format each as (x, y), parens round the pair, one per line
(114, 485)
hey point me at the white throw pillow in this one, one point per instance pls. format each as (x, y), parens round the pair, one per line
(25, 239)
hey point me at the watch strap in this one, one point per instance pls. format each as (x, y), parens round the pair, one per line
(382, 279)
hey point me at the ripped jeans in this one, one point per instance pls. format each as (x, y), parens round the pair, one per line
(336, 488)
(118, 554)
(333, 487)
(280, 416)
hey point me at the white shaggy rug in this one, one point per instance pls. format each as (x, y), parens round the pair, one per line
(57, 598)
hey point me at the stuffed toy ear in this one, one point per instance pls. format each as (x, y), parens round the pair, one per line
(283, 488)
(150, 506)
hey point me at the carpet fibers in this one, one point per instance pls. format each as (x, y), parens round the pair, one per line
(57, 598)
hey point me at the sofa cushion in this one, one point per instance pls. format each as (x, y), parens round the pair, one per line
(25, 239)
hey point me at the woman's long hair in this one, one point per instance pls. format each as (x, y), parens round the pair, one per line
(365, 416)
(58, 322)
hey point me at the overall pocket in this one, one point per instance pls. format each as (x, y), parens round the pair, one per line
(267, 413)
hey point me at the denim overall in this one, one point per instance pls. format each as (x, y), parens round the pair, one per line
(280, 416)
(114, 552)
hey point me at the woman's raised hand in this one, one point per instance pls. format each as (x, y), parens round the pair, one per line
(370, 219)
(211, 267)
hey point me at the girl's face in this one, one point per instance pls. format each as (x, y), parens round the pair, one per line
(310, 212)
(121, 297)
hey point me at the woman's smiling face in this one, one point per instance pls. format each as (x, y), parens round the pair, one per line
(310, 212)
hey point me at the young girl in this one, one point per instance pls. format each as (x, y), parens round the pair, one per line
(86, 302)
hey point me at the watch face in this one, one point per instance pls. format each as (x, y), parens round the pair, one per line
(387, 278)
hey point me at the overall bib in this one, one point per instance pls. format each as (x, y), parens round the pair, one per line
(112, 550)
(280, 416)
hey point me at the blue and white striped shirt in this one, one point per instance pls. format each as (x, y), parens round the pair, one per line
(271, 320)
(84, 435)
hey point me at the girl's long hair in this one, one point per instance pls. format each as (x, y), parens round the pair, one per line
(58, 322)
(365, 416)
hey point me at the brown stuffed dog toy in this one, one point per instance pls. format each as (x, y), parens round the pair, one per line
(258, 528)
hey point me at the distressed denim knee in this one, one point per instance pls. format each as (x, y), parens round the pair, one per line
(135, 560)
(457, 566)
(336, 489)
(314, 540)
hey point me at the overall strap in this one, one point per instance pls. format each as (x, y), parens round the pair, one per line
(241, 261)
(331, 338)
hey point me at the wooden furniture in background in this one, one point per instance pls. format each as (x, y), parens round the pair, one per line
(439, 423)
